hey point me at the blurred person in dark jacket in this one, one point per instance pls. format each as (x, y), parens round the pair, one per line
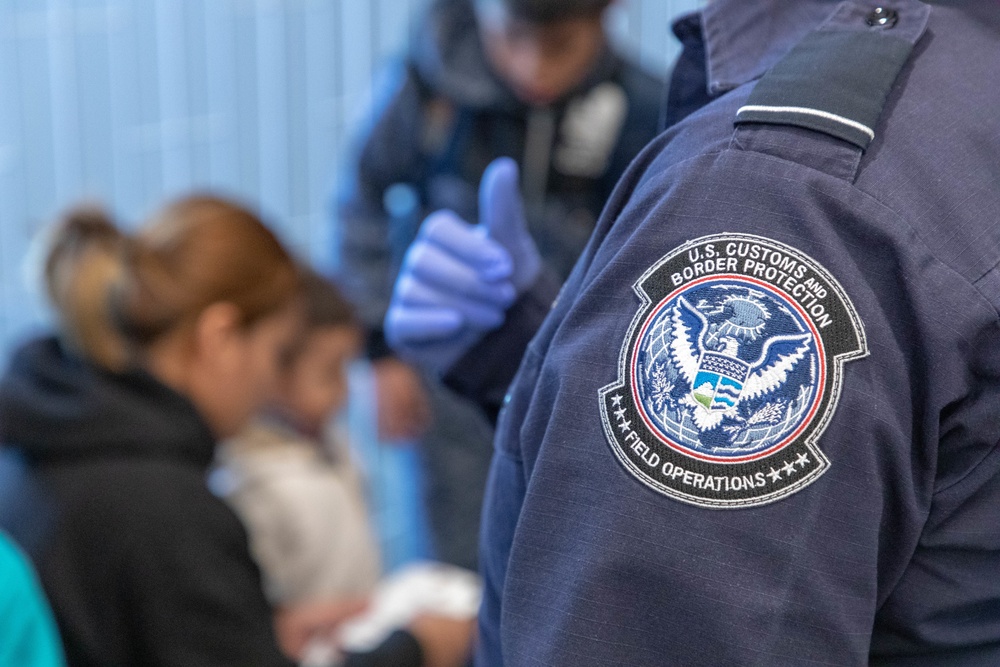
(532, 79)
(168, 341)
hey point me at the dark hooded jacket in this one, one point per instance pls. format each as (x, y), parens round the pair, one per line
(439, 118)
(442, 116)
(102, 482)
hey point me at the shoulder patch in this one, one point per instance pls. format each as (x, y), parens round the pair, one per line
(730, 372)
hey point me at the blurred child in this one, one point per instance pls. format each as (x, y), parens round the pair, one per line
(535, 80)
(291, 478)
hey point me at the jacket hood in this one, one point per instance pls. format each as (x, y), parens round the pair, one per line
(448, 55)
(55, 406)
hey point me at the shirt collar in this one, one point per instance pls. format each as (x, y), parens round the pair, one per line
(744, 38)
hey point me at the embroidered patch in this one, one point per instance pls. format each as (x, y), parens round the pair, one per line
(730, 372)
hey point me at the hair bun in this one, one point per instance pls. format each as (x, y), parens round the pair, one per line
(83, 260)
(77, 231)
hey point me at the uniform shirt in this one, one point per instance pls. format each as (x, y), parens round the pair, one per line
(760, 424)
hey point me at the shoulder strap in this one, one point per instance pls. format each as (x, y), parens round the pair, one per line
(837, 79)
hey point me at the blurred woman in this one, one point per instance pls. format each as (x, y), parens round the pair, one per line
(168, 340)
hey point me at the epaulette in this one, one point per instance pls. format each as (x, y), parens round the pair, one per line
(837, 79)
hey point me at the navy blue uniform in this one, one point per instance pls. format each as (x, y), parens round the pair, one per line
(759, 426)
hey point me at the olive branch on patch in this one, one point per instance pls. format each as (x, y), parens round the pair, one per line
(662, 388)
(768, 415)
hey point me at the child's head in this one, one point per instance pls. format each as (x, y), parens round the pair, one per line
(313, 383)
(542, 49)
(203, 296)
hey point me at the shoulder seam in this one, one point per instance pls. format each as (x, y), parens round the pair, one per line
(973, 283)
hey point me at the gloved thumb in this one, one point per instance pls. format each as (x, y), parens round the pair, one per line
(501, 213)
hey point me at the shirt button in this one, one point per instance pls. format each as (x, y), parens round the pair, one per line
(881, 17)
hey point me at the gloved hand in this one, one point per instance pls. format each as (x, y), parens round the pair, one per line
(457, 280)
(453, 287)
(501, 212)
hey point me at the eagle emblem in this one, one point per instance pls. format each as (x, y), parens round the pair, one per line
(719, 378)
(726, 368)
(730, 372)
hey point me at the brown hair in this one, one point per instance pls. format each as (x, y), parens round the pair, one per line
(116, 294)
(323, 305)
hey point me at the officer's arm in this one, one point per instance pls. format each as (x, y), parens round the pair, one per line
(485, 371)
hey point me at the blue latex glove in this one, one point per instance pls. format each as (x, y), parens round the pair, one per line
(501, 212)
(453, 287)
(457, 280)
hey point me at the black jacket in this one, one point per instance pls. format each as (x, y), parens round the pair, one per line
(102, 481)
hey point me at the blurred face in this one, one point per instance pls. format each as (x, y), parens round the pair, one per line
(314, 387)
(540, 62)
(235, 370)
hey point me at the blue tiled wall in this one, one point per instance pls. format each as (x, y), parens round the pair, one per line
(131, 101)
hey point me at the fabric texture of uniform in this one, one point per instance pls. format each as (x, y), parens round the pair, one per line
(889, 557)
(441, 117)
(303, 504)
(28, 635)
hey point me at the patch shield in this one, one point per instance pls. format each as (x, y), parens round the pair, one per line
(730, 372)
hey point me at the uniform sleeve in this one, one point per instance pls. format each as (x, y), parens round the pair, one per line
(484, 372)
(945, 608)
(501, 508)
(370, 238)
(873, 510)
(193, 584)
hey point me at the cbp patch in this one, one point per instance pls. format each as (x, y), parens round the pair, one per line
(730, 372)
